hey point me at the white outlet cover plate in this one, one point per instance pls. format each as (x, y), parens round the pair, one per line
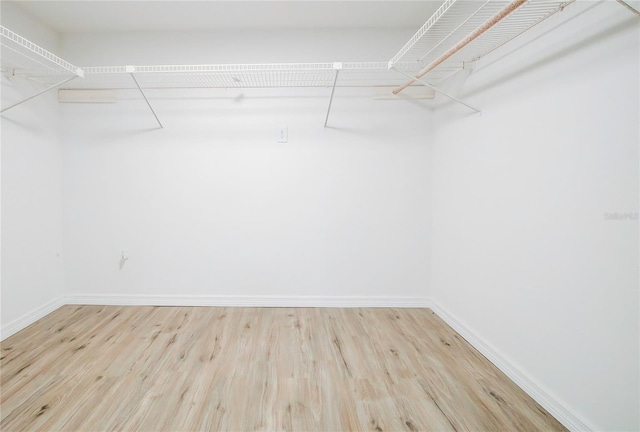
(283, 134)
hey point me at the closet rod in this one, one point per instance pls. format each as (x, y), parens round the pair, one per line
(452, 32)
(507, 10)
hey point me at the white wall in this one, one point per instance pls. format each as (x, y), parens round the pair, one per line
(32, 268)
(522, 253)
(233, 46)
(212, 205)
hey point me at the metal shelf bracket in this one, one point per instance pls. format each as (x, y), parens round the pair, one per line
(436, 89)
(131, 70)
(39, 93)
(628, 6)
(338, 67)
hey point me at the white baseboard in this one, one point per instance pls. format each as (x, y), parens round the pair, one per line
(249, 301)
(30, 317)
(556, 409)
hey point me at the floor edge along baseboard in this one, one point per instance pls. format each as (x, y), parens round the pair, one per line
(528, 385)
(568, 419)
(30, 317)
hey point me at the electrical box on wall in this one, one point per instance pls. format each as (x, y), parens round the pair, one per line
(283, 134)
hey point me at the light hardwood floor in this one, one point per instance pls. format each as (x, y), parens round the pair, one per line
(98, 368)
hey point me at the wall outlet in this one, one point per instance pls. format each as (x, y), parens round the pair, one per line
(283, 134)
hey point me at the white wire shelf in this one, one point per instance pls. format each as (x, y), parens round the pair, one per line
(351, 74)
(456, 19)
(22, 57)
(460, 31)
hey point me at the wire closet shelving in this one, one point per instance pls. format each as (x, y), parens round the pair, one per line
(21, 57)
(267, 75)
(459, 32)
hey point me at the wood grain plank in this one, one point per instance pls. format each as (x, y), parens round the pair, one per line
(105, 368)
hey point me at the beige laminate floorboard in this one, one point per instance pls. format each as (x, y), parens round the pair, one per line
(99, 368)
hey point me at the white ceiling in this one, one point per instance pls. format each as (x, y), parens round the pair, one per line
(108, 16)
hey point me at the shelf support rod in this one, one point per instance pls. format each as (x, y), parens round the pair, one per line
(145, 99)
(39, 93)
(628, 6)
(436, 89)
(507, 10)
(333, 90)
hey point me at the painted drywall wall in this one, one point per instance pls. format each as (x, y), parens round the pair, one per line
(32, 268)
(211, 205)
(535, 211)
(233, 46)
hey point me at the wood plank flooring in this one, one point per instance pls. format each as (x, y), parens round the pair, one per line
(99, 368)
